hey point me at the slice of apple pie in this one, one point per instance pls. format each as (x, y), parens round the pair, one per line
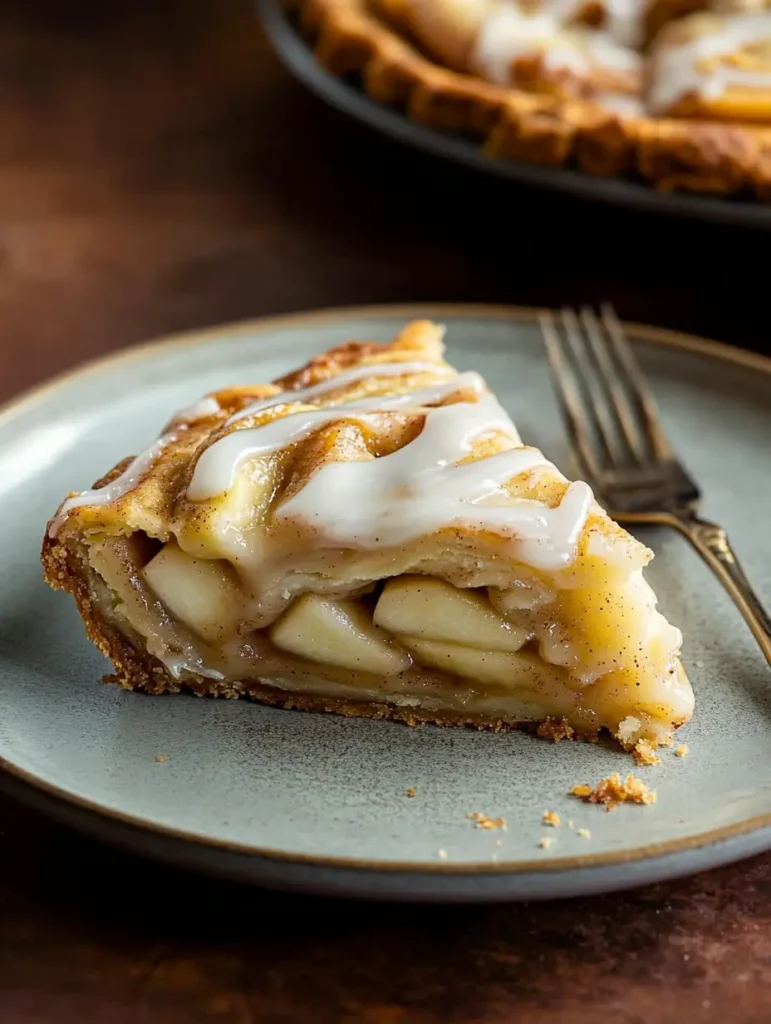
(370, 536)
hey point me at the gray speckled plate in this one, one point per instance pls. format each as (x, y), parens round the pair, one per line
(318, 802)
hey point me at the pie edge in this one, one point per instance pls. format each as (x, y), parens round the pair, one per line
(696, 156)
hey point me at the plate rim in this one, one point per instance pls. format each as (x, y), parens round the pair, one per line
(615, 191)
(261, 326)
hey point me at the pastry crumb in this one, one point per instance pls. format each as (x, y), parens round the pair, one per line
(411, 791)
(644, 753)
(550, 818)
(682, 750)
(627, 729)
(160, 758)
(570, 823)
(584, 833)
(441, 854)
(614, 790)
(483, 821)
(499, 842)
(545, 843)
(556, 729)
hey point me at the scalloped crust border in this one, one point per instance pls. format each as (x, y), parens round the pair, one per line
(696, 156)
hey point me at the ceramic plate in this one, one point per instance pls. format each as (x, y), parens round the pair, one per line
(319, 802)
(347, 97)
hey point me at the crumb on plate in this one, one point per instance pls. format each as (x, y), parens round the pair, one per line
(545, 843)
(483, 821)
(411, 791)
(551, 818)
(441, 854)
(584, 833)
(614, 790)
(160, 758)
(644, 753)
(556, 729)
(682, 750)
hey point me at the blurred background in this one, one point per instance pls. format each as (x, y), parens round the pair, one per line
(160, 170)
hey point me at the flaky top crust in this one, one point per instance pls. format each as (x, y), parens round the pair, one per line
(158, 504)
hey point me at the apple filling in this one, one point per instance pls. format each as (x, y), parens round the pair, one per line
(411, 641)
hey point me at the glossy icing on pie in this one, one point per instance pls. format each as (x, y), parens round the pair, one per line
(371, 536)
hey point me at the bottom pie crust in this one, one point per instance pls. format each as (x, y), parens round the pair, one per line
(692, 155)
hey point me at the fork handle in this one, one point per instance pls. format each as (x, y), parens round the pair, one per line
(711, 542)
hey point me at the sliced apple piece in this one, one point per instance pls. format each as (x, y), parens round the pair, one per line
(202, 593)
(423, 606)
(523, 670)
(338, 633)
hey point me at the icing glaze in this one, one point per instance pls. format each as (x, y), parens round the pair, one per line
(419, 489)
(218, 465)
(677, 70)
(200, 410)
(119, 487)
(416, 490)
(342, 380)
(509, 33)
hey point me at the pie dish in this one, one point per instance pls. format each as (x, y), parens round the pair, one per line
(664, 90)
(370, 536)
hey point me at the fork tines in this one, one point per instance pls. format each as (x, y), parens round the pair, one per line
(609, 409)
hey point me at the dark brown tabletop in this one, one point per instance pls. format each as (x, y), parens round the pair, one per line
(159, 170)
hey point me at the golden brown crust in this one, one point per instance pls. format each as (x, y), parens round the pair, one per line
(671, 154)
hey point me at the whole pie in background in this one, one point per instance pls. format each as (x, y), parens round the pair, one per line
(678, 91)
(370, 536)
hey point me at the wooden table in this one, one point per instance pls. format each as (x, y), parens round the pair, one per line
(159, 170)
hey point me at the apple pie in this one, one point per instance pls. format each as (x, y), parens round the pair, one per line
(676, 92)
(369, 535)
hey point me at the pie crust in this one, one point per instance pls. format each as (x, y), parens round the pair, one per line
(370, 536)
(700, 152)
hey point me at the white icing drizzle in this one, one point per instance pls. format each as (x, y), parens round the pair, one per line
(209, 406)
(397, 498)
(625, 22)
(420, 489)
(416, 490)
(218, 465)
(200, 410)
(676, 67)
(509, 33)
(119, 487)
(342, 380)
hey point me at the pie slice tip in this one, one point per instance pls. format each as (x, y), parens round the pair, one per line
(369, 535)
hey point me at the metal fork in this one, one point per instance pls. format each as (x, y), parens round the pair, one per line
(623, 451)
